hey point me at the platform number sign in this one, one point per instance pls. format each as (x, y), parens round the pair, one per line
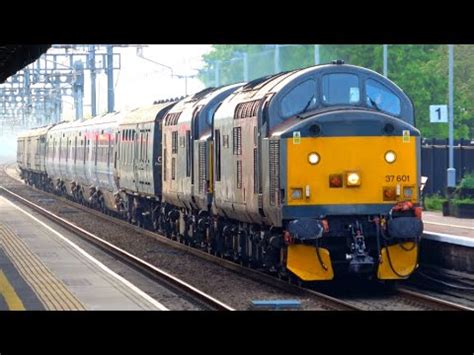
(438, 113)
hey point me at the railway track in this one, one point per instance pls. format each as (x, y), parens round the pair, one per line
(436, 303)
(186, 290)
(407, 299)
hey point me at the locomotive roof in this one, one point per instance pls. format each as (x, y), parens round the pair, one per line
(35, 132)
(274, 83)
(95, 121)
(144, 114)
(202, 98)
(274, 88)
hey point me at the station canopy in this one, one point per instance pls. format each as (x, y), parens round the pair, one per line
(14, 57)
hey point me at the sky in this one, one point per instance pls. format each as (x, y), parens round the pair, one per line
(140, 82)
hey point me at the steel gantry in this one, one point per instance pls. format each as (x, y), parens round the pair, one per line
(33, 96)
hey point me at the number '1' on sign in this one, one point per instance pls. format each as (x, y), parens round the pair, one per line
(438, 113)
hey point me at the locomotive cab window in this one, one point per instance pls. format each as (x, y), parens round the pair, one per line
(300, 99)
(382, 98)
(340, 89)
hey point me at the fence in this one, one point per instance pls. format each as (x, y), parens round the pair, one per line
(435, 161)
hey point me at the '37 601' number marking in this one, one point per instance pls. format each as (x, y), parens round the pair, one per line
(397, 178)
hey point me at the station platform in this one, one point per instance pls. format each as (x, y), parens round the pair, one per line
(42, 269)
(447, 229)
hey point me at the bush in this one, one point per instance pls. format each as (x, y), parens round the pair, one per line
(467, 182)
(468, 201)
(434, 202)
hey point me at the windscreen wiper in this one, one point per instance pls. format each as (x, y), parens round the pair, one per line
(375, 104)
(306, 107)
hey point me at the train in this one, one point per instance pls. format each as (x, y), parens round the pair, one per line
(311, 174)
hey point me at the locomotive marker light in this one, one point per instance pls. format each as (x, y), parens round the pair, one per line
(408, 192)
(353, 179)
(389, 193)
(335, 180)
(296, 194)
(313, 158)
(390, 157)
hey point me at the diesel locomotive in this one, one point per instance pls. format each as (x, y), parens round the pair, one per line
(311, 174)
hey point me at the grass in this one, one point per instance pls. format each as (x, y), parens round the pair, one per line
(434, 202)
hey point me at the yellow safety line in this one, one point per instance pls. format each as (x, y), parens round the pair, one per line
(52, 292)
(53, 288)
(35, 278)
(28, 273)
(37, 283)
(8, 292)
(31, 275)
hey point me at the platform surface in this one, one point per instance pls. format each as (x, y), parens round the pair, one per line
(41, 269)
(448, 229)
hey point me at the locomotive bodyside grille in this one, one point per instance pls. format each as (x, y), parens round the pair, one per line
(202, 167)
(274, 172)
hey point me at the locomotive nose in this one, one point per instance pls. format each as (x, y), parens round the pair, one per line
(336, 160)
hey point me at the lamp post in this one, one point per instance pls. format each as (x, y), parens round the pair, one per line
(451, 169)
(277, 58)
(316, 54)
(244, 56)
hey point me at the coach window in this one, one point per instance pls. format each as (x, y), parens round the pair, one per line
(300, 99)
(340, 88)
(75, 150)
(67, 149)
(96, 147)
(382, 98)
(108, 149)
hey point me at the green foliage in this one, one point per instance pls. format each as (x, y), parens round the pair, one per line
(464, 201)
(420, 70)
(434, 202)
(467, 182)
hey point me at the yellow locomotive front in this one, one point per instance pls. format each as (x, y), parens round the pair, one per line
(349, 186)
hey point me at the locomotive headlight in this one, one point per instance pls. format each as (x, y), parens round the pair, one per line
(313, 158)
(390, 157)
(353, 179)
